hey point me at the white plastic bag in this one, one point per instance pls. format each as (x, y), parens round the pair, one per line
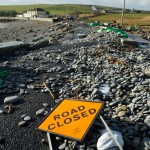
(105, 141)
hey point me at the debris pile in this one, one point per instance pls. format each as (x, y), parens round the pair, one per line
(93, 67)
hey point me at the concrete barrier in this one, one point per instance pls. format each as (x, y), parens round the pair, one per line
(25, 18)
(10, 47)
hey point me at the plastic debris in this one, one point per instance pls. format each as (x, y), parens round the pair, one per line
(105, 142)
(119, 32)
(3, 74)
(105, 89)
(94, 24)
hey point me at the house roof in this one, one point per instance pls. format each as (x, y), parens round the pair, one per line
(36, 9)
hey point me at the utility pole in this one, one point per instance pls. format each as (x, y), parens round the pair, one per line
(123, 13)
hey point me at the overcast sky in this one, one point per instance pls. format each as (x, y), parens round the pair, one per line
(136, 4)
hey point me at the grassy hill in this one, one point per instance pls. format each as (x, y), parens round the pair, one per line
(141, 19)
(53, 9)
(129, 19)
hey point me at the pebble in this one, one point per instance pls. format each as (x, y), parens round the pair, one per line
(147, 121)
(11, 99)
(23, 116)
(136, 142)
(147, 71)
(1, 139)
(146, 142)
(148, 102)
(62, 146)
(46, 105)
(22, 123)
(40, 112)
(88, 64)
(121, 113)
(1, 111)
(27, 118)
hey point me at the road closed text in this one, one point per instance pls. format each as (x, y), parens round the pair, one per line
(68, 117)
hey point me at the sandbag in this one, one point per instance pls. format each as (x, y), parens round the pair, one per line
(105, 142)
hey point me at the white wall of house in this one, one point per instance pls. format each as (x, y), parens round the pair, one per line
(35, 13)
(19, 15)
(28, 15)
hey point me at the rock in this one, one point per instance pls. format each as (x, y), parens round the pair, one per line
(114, 103)
(136, 142)
(144, 128)
(1, 139)
(11, 99)
(147, 121)
(146, 82)
(62, 146)
(27, 118)
(45, 113)
(58, 138)
(1, 112)
(148, 102)
(121, 108)
(135, 99)
(146, 142)
(46, 105)
(147, 71)
(140, 58)
(40, 112)
(44, 141)
(67, 148)
(22, 85)
(22, 123)
(23, 116)
(121, 113)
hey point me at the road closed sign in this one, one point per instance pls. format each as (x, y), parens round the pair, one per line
(71, 118)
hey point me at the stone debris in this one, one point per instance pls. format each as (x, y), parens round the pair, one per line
(22, 123)
(40, 112)
(27, 118)
(11, 99)
(83, 64)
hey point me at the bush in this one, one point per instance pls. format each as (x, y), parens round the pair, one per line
(8, 13)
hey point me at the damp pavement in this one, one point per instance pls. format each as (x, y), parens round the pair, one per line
(77, 63)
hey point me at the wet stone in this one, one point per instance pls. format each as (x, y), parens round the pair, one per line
(1, 139)
(22, 123)
(40, 112)
(46, 105)
(136, 142)
(62, 146)
(121, 113)
(147, 121)
(27, 118)
(11, 99)
(146, 142)
(23, 116)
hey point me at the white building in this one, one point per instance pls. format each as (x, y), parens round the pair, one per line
(19, 15)
(36, 12)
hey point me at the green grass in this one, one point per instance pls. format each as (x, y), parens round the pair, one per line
(68, 8)
(117, 16)
(53, 9)
(128, 18)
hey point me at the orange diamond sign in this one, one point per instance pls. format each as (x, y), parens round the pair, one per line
(71, 118)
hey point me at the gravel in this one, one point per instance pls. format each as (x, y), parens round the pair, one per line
(80, 63)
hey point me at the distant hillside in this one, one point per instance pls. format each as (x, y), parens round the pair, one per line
(54, 9)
